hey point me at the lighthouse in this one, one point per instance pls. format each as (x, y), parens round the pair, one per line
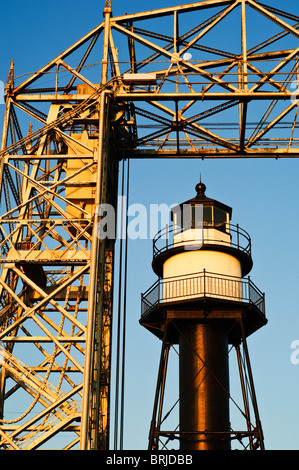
(205, 303)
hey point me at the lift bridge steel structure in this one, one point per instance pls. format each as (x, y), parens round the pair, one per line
(169, 84)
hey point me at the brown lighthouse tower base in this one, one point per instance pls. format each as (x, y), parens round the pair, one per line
(203, 382)
(203, 303)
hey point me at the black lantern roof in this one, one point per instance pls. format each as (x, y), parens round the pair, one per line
(203, 200)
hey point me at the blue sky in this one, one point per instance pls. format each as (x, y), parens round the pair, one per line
(264, 195)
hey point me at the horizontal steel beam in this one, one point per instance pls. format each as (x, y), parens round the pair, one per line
(204, 154)
(43, 339)
(170, 10)
(49, 157)
(52, 98)
(240, 96)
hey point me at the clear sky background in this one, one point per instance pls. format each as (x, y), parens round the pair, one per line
(264, 195)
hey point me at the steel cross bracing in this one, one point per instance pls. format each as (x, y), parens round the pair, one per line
(169, 83)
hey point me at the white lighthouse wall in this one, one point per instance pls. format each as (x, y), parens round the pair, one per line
(184, 278)
(198, 236)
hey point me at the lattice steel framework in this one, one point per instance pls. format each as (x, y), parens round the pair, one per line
(168, 84)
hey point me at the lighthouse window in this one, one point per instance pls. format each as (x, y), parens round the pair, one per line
(207, 215)
(186, 218)
(220, 219)
(177, 219)
(197, 216)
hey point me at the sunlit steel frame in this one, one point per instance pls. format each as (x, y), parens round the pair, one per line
(144, 95)
(251, 439)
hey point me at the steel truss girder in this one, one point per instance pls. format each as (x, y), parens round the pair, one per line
(226, 89)
(48, 253)
(245, 87)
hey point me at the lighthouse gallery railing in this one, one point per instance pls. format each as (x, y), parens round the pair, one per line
(202, 285)
(169, 237)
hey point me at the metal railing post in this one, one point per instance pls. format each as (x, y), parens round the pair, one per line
(167, 235)
(249, 288)
(159, 286)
